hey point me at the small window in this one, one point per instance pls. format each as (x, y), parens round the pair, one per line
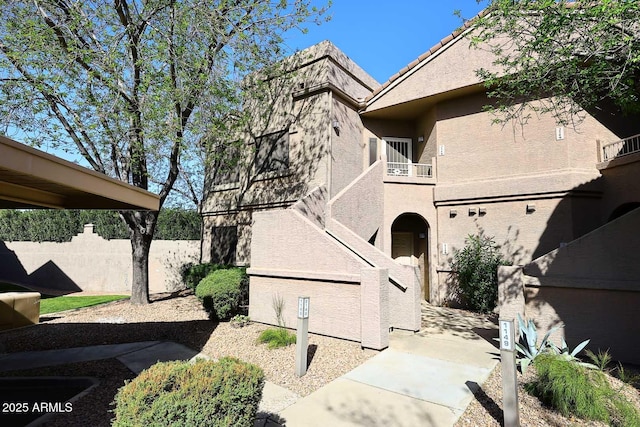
(272, 152)
(224, 241)
(225, 164)
(373, 150)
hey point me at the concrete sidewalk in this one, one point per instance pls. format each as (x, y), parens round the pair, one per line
(425, 379)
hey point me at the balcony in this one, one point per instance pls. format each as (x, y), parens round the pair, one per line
(408, 169)
(620, 152)
(620, 148)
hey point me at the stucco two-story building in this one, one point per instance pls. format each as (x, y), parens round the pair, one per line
(357, 194)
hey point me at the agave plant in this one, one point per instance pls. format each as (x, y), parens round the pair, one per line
(571, 356)
(527, 344)
(529, 348)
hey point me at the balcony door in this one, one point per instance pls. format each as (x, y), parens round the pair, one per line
(399, 156)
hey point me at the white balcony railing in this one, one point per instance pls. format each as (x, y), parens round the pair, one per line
(621, 148)
(419, 170)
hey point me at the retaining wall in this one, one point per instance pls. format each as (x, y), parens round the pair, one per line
(92, 264)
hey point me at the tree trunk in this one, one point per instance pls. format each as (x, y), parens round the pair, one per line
(140, 246)
(141, 227)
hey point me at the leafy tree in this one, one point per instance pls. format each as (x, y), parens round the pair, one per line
(585, 53)
(138, 88)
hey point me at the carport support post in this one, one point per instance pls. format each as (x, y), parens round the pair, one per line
(509, 378)
(302, 338)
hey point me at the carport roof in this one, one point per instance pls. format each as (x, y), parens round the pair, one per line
(31, 178)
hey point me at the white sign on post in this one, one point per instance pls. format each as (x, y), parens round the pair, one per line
(302, 336)
(509, 374)
(506, 340)
(303, 307)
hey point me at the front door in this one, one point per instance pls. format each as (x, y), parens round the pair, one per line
(402, 247)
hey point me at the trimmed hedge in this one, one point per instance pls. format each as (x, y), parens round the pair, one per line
(204, 393)
(192, 274)
(60, 225)
(221, 292)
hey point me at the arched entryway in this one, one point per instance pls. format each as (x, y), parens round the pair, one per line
(410, 245)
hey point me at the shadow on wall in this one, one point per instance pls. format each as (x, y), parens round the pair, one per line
(48, 279)
(281, 154)
(586, 276)
(513, 252)
(576, 214)
(271, 163)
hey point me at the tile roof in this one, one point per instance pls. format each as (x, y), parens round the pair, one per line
(442, 43)
(468, 24)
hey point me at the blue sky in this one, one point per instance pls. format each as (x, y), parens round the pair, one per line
(384, 36)
(381, 36)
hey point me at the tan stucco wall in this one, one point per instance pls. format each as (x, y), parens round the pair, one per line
(313, 206)
(426, 128)
(292, 257)
(285, 240)
(590, 286)
(336, 68)
(347, 150)
(305, 102)
(104, 266)
(609, 253)
(410, 198)
(360, 206)
(334, 307)
(381, 128)
(241, 220)
(521, 235)
(477, 149)
(607, 318)
(308, 165)
(441, 73)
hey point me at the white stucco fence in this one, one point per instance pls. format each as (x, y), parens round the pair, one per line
(94, 264)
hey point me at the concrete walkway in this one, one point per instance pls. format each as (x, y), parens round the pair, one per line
(425, 379)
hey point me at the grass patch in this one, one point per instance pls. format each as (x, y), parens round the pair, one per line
(54, 305)
(276, 337)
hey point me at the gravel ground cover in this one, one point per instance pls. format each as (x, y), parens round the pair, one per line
(175, 317)
(486, 409)
(179, 317)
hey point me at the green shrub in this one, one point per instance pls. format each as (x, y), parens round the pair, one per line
(475, 268)
(575, 390)
(192, 274)
(221, 292)
(276, 337)
(204, 393)
(240, 321)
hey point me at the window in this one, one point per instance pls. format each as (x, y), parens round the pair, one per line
(373, 150)
(272, 152)
(225, 165)
(224, 241)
